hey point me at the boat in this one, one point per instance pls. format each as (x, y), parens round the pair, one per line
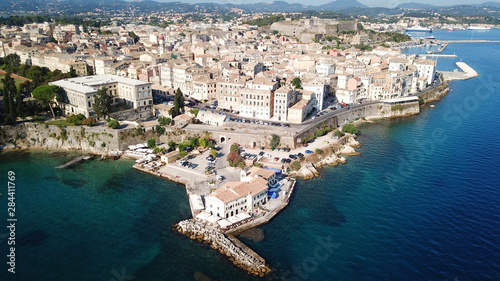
(418, 28)
(430, 37)
(479, 28)
(451, 29)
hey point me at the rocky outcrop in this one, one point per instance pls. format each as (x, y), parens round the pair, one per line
(347, 150)
(237, 252)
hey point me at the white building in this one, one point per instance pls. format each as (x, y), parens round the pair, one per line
(284, 98)
(426, 68)
(78, 93)
(318, 89)
(237, 197)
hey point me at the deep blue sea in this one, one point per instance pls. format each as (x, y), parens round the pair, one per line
(421, 202)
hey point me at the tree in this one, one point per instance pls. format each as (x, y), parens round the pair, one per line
(113, 124)
(234, 148)
(338, 133)
(9, 92)
(76, 119)
(275, 32)
(182, 147)
(164, 121)
(297, 83)
(275, 140)
(134, 36)
(204, 141)
(72, 72)
(234, 158)
(12, 63)
(102, 105)
(213, 152)
(318, 151)
(193, 142)
(178, 102)
(159, 130)
(151, 142)
(172, 144)
(36, 74)
(158, 149)
(45, 95)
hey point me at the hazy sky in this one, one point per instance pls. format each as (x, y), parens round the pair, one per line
(370, 3)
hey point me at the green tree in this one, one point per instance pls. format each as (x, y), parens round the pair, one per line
(9, 93)
(45, 95)
(134, 36)
(37, 75)
(158, 149)
(234, 148)
(193, 142)
(338, 133)
(12, 63)
(275, 141)
(297, 83)
(204, 141)
(178, 102)
(181, 146)
(72, 72)
(102, 105)
(76, 119)
(172, 144)
(159, 130)
(275, 32)
(151, 142)
(113, 124)
(318, 151)
(213, 152)
(164, 121)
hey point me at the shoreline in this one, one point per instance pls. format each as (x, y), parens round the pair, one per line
(226, 242)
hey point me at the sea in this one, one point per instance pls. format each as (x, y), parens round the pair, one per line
(421, 202)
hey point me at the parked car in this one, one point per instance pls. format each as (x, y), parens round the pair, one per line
(309, 151)
(276, 158)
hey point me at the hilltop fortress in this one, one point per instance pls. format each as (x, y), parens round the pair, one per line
(306, 30)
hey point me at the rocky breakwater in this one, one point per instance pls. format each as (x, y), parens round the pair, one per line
(237, 252)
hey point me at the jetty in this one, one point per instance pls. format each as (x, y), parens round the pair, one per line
(75, 161)
(468, 72)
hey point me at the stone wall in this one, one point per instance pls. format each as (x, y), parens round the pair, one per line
(98, 140)
(134, 114)
(240, 254)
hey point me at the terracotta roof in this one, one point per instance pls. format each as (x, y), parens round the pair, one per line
(234, 190)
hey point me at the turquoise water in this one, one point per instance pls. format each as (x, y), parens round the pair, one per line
(421, 202)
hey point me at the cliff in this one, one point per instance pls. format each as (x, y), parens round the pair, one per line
(97, 140)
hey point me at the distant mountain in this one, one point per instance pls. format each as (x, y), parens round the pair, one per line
(339, 5)
(490, 4)
(413, 5)
(273, 6)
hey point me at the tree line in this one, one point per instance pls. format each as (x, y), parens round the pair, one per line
(14, 96)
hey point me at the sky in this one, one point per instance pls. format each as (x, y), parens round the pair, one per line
(370, 3)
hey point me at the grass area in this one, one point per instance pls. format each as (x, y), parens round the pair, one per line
(59, 123)
(16, 79)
